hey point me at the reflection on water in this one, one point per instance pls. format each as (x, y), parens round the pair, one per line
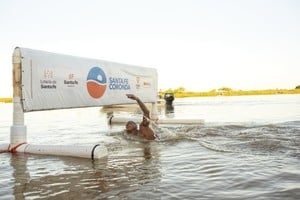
(20, 174)
(169, 111)
(38, 176)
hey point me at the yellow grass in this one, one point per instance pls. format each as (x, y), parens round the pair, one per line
(229, 92)
(6, 100)
(180, 92)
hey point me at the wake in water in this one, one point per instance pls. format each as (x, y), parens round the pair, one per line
(282, 139)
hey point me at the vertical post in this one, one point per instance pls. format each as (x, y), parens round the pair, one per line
(154, 112)
(18, 131)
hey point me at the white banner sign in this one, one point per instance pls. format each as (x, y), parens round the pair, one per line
(56, 81)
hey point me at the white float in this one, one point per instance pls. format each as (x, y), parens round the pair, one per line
(94, 151)
(122, 120)
(4, 148)
(154, 119)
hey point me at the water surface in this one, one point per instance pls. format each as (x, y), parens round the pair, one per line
(248, 148)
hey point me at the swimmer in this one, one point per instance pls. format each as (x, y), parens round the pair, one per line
(144, 130)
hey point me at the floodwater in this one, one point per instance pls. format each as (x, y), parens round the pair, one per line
(248, 148)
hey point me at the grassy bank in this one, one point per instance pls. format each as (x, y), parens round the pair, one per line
(180, 92)
(229, 92)
(6, 100)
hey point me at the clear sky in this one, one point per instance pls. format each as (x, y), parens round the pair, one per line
(196, 44)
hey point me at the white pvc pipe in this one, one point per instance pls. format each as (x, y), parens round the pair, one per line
(123, 120)
(4, 148)
(18, 132)
(180, 121)
(92, 151)
(154, 113)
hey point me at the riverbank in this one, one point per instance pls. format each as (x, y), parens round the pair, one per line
(229, 92)
(6, 100)
(224, 92)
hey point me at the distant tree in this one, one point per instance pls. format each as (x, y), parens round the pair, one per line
(169, 90)
(225, 89)
(297, 87)
(179, 90)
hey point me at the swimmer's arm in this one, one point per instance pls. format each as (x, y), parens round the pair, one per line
(141, 104)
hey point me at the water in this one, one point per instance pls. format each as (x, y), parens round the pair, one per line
(248, 148)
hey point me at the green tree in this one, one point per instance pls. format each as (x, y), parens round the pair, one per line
(179, 90)
(225, 89)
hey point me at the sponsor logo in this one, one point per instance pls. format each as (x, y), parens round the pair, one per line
(71, 81)
(117, 83)
(48, 81)
(147, 84)
(96, 82)
(138, 82)
(141, 83)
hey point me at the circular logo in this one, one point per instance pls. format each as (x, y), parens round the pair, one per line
(96, 82)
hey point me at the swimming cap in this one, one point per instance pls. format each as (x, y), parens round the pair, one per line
(133, 123)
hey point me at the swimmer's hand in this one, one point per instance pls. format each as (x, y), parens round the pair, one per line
(132, 96)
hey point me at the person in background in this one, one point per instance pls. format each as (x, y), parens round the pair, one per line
(144, 129)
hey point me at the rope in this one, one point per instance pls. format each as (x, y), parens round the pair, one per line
(92, 156)
(14, 149)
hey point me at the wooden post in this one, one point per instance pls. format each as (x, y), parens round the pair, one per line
(17, 130)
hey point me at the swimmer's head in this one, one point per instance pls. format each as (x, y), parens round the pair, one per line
(131, 126)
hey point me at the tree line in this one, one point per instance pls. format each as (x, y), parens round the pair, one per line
(226, 91)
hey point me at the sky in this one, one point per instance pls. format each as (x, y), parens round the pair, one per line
(200, 45)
